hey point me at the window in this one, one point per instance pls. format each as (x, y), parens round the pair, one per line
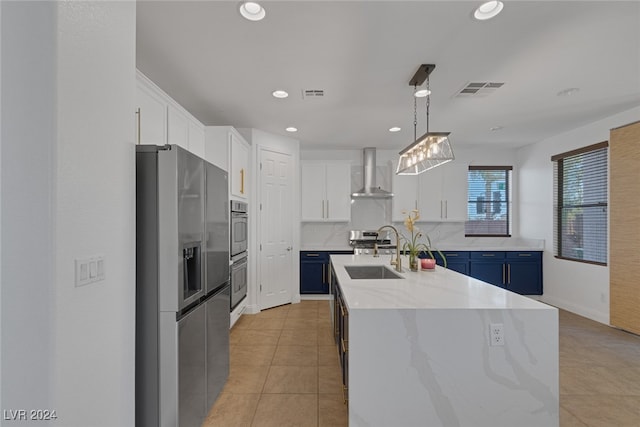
(580, 204)
(489, 202)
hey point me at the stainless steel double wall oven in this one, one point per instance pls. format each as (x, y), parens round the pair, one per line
(238, 250)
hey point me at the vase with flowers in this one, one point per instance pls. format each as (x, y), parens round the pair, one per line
(412, 245)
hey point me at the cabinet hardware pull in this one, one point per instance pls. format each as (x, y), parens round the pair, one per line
(440, 208)
(323, 209)
(503, 282)
(488, 254)
(138, 113)
(451, 254)
(313, 255)
(344, 394)
(323, 275)
(327, 209)
(524, 254)
(446, 209)
(242, 181)
(344, 345)
(509, 274)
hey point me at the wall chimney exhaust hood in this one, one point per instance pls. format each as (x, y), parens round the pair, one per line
(370, 190)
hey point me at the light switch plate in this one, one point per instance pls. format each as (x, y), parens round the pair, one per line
(89, 270)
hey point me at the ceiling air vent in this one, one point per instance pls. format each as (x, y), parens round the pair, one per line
(312, 93)
(478, 89)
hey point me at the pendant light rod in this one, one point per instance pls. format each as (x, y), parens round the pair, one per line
(421, 75)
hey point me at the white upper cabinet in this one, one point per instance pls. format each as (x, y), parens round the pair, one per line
(239, 161)
(152, 115)
(326, 191)
(405, 196)
(162, 121)
(440, 194)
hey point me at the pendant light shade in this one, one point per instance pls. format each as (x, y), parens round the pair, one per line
(430, 150)
(433, 148)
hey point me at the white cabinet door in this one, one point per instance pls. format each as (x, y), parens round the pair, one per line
(430, 201)
(178, 127)
(239, 178)
(152, 117)
(196, 138)
(338, 192)
(405, 196)
(312, 186)
(454, 191)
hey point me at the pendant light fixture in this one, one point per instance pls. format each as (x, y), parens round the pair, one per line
(431, 149)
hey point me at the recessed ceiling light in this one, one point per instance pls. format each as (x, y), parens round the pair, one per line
(422, 93)
(291, 129)
(488, 10)
(252, 11)
(568, 92)
(394, 129)
(279, 94)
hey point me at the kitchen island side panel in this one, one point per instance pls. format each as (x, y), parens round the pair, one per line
(435, 367)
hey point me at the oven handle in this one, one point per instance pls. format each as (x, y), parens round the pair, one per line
(239, 263)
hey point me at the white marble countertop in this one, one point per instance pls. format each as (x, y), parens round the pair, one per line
(438, 289)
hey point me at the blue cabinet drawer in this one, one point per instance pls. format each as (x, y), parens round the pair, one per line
(311, 256)
(456, 255)
(524, 255)
(487, 255)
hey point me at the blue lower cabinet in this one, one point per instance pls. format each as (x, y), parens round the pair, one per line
(456, 260)
(517, 271)
(314, 271)
(524, 272)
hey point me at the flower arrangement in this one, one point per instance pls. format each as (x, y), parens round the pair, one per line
(412, 245)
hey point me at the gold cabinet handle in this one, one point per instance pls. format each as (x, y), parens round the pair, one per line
(242, 181)
(138, 114)
(488, 254)
(503, 282)
(345, 394)
(509, 273)
(327, 209)
(314, 255)
(323, 209)
(324, 278)
(344, 345)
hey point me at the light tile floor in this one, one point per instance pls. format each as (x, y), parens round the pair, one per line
(285, 372)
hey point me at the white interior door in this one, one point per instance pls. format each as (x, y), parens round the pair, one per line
(276, 239)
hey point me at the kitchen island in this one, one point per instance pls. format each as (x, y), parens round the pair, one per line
(419, 350)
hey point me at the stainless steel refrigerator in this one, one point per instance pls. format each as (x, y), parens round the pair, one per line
(182, 286)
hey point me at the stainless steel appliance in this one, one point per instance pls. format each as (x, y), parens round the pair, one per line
(238, 250)
(363, 242)
(182, 286)
(239, 227)
(238, 279)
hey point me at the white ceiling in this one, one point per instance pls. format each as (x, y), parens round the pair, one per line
(223, 68)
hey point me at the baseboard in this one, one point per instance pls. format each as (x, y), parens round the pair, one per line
(577, 309)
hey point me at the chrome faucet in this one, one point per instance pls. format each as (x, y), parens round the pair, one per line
(397, 262)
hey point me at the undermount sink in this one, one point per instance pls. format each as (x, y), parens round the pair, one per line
(371, 272)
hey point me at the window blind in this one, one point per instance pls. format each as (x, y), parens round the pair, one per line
(580, 204)
(489, 201)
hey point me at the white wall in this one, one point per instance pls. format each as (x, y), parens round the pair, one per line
(68, 85)
(95, 212)
(27, 285)
(577, 287)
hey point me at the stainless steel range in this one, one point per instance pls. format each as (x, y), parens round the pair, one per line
(364, 241)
